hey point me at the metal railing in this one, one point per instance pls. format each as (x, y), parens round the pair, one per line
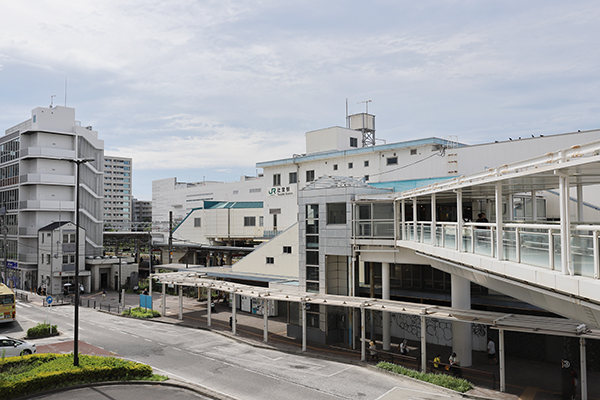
(533, 244)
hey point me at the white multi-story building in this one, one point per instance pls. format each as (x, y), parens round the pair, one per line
(345, 152)
(38, 185)
(180, 198)
(117, 191)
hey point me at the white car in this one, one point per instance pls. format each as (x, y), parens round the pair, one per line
(10, 347)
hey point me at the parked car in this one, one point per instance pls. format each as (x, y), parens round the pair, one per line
(69, 288)
(10, 347)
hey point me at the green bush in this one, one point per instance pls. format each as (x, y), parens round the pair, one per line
(140, 312)
(447, 381)
(41, 329)
(24, 375)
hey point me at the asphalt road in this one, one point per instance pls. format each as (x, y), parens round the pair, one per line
(221, 363)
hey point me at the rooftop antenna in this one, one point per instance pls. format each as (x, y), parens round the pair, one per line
(52, 100)
(366, 104)
(65, 90)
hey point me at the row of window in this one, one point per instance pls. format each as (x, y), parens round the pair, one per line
(9, 151)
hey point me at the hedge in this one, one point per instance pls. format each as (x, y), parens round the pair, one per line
(447, 381)
(24, 375)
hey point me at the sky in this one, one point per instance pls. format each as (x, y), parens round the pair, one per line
(203, 90)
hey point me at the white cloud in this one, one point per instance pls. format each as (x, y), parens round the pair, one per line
(220, 85)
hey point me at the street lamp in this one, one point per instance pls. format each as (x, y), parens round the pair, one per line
(78, 162)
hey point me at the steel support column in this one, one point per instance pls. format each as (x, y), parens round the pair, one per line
(385, 295)
(303, 326)
(501, 360)
(583, 368)
(265, 321)
(423, 344)
(180, 302)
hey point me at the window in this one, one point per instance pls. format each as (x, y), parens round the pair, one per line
(335, 167)
(236, 191)
(270, 260)
(257, 190)
(336, 213)
(47, 258)
(366, 178)
(287, 249)
(310, 176)
(353, 142)
(276, 179)
(350, 165)
(413, 152)
(312, 273)
(392, 161)
(366, 163)
(261, 221)
(249, 221)
(197, 222)
(293, 177)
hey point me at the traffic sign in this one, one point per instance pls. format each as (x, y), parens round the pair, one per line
(49, 300)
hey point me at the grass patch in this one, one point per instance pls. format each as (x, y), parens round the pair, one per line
(447, 381)
(41, 329)
(140, 312)
(20, 376)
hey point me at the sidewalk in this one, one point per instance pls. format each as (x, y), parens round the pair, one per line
(525, 379)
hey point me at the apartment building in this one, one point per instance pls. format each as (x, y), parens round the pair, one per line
(38, 182)
(142, 210)
(118, 207)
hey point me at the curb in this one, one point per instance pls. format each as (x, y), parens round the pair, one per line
(202, 390)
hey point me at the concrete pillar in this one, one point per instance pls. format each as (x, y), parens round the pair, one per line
(501, 360)
(208, 308)
(499, 239)
(265, 321)
(233, 313)
(565, 226)
(164, 299)
(403, 217)
(303, 326)
(415, 219)
(462, 341)
(510, 208)
(579, 202)
(583, 368)
(385, 295)
(363, 338)
(181, 302)
(424, 344)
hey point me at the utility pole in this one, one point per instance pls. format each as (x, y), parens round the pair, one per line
(170, 237)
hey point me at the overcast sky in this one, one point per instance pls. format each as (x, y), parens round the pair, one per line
(206, 89)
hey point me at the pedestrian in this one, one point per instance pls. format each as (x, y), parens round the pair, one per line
(373, 351)
(454, 362)
(436, 361)
(574, 383)
(103, 294)
(481, 218)
(404, 347)
(491, 352)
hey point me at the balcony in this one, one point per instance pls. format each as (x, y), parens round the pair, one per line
(47, 179)
(46, 205)
(47, 152)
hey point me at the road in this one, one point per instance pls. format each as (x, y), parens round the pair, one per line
(221, 363)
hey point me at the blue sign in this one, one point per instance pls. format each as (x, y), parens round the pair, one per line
(145, 301)
(12, 264)
(49, 300)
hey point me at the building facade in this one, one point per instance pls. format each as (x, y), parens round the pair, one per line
(142, 210)
(118, 203)
(38, 185)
